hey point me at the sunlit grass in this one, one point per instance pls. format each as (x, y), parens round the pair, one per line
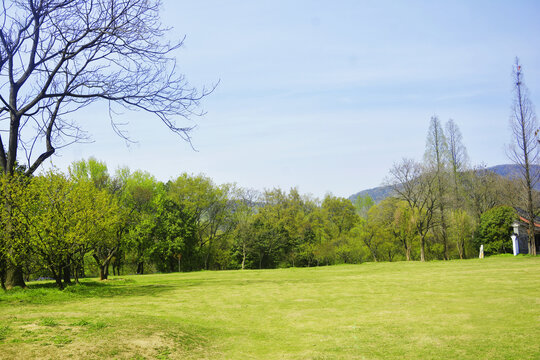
(473, 309)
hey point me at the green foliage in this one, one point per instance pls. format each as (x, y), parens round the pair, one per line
(14, 240)
(363, 204)
(495, 229)
(175, 239)
(92, 169)
(210, 206)
(461, 230)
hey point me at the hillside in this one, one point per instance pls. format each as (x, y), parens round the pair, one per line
(509, 171)
(378, 194)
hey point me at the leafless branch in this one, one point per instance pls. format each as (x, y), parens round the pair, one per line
(58, 56)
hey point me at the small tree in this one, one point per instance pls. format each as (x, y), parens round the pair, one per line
(525, 149)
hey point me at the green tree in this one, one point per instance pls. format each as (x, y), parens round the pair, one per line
(92, 170)
(417, 187)
(341, 215)
(397, 219)
(210, 206)
(15, 247)
(363, 204)
(461, 230)
(174, 234)
(245, 207)
(139, 194)
(495, 229)
(64, 220)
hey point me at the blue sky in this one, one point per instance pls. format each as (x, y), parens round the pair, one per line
(326, 96)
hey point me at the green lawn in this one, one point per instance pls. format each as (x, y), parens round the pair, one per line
(472, 309)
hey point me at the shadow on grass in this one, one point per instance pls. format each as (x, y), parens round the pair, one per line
(47, 292)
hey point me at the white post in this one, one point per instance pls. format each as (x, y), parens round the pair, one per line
(515, 244)
(481, 256)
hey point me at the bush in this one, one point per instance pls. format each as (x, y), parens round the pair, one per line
(495, 230)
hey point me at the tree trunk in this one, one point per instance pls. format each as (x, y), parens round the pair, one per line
(103, 267)
(444, 235)
(140, 268)
(373, 254)
(13, 274)
(461, 248)
(57, 277)
(66, 271)
(207, 258)
(532, 242)
(422, 249)
(103, 272)
(406, 247)
(14, 277)
(3, 273)
(368, 245)
(81, 269)
(243, 256)
(76, 274)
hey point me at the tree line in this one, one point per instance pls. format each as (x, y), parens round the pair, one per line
(91, 222)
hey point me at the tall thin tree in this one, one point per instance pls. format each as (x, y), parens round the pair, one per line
(436, 157)
(525, 148)
(458, 159)
(457, 156)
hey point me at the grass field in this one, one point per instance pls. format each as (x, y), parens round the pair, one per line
(472, 309)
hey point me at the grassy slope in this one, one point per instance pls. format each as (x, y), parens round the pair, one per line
(473, 309)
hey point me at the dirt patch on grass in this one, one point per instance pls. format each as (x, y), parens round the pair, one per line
(149, 342)
(31, 327)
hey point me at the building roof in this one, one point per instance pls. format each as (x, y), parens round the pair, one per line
(523, 216)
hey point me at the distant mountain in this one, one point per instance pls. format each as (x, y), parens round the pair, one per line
(509, 171)
(378, 194)
(512, 171)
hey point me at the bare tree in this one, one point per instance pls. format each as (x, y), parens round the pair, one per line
(411, 183)
(59, 56)
(525, 148)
